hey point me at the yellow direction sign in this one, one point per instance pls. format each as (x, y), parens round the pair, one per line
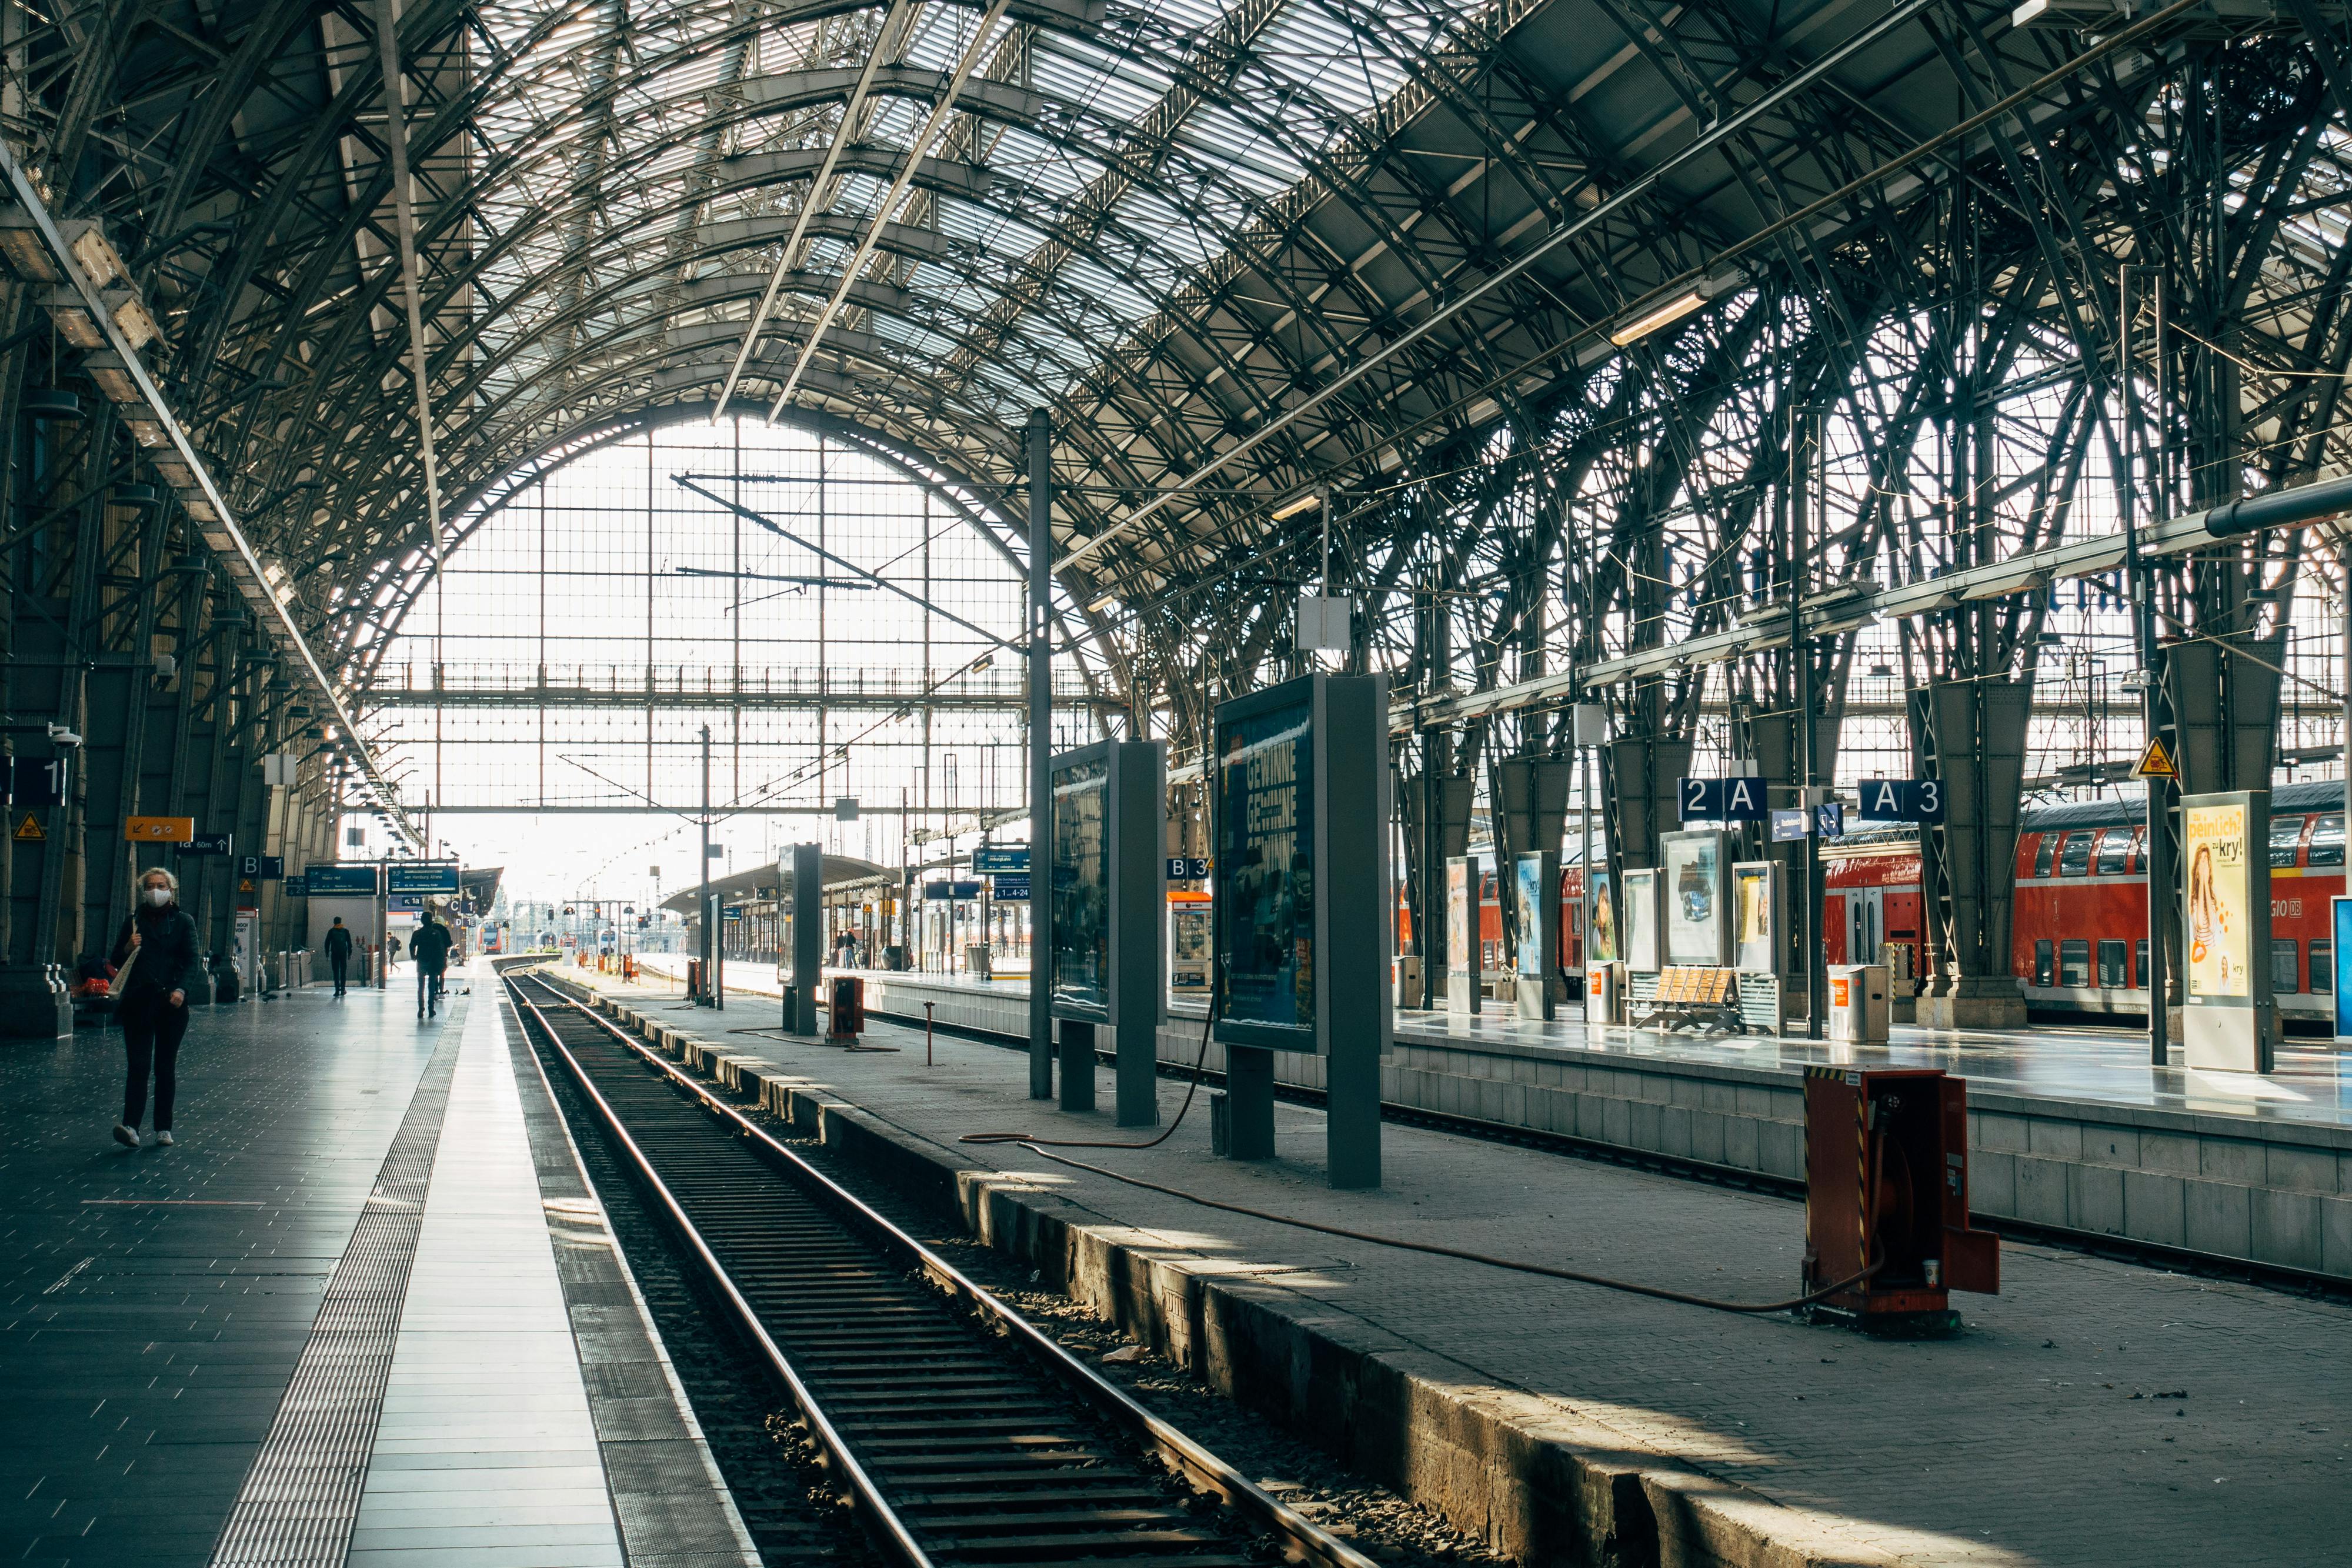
(29, 831)
(2156, 763)
(159, 829)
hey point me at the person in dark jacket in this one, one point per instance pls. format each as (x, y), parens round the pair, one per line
(338, 947)
(429, 945)
(159, 942)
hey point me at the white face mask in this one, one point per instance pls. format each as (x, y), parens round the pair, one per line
(159, 896)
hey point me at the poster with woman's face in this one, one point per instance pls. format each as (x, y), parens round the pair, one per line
(2220, 938)
(1604, 922)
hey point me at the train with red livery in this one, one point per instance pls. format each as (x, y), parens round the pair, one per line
(2079, 923)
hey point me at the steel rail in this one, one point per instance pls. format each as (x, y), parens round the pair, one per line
(877, 1508)
(1303, 1541)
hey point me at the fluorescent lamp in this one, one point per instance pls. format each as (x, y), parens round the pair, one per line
(1105, 603)
(26, 253)
(1298, 504)
(75, 323)
(106, 368)
(1673, 310)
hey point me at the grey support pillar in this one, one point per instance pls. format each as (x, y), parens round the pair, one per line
(1041, 755)
(807, 871)
(1969, 735)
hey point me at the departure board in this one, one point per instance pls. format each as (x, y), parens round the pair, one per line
(1081, 919)
(1265, 867)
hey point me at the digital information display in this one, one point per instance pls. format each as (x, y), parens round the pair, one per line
(1266, 872)
(1081, 921)
(349, 881)
(407, 877)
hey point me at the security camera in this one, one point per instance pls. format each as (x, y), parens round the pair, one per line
(61, 736)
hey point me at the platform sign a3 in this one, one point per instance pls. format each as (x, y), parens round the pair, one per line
(1901, 799)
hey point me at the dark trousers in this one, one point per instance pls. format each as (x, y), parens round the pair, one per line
(428, 992)
(152, 1031)
(339, 964)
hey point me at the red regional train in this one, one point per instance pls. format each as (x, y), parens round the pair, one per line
(2079, 926)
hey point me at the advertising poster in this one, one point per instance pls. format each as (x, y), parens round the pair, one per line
(1529, 879)
(2213, 847)
(1461, 917)
(1265, 867)
(1603, 946)
(1694, 867)
(1081, 926)
(1641, 911)
(1752, 912)
(1188, 943)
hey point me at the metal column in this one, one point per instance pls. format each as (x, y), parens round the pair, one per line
(1041, 755)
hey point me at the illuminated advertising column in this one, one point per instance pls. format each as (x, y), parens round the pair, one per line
(1535, 885)
(1109, 892)
(1464, 976)
(2225, 923)
(1301, 906)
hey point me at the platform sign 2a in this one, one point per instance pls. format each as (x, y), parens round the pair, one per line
(1902, 800)
(1722, 800)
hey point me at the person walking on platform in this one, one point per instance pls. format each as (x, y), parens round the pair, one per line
(158, 947)
(391, 952)
(338, 946)
(429, 945)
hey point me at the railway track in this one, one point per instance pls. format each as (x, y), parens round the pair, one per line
(960, 1432)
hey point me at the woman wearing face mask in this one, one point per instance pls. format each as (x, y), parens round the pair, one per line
(159, 942)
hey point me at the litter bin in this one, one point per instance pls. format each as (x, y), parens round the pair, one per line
(1605, 993)
(1859, 1014)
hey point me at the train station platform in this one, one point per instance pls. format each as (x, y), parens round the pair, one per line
(2096, 1412)
(2071, 1130)
(364, 1311)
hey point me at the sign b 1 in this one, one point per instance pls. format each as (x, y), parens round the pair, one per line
(1902, 800)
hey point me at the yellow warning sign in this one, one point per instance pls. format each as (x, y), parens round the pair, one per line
(2156, 763)
(29, 831)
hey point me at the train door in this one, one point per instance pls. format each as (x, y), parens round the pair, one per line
(1866, 923)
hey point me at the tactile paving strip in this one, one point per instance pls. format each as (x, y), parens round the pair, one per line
(302, 1495)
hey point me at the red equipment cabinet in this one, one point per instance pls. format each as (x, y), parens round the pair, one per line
(845, 1007)
(1886, 1182)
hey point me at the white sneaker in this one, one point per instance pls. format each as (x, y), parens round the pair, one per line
(164, 1139)
(126, 1135)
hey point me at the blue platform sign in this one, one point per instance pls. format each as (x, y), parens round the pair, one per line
(1789, 826)
(340, 880)
(951, 890)
(1009, 889)
(1902, 800)
(991, 859)
(1188, 868)
(1722, 800)
(297, 886)
(421, 877)
(1829, 818)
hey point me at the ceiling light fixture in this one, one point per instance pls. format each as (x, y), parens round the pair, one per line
(1298, 504)
(1673, 310)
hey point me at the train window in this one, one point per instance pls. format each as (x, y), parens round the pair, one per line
(2074, 962)
(2074, 860)
(2286, 833)
(2111, 964)
(2043, 966)
(2042, 852)
(2326, 840)
(2323, 968)
(2286, 968)
(2114, 844)
(2139, 962)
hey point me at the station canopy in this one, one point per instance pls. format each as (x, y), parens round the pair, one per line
(1174, 225)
